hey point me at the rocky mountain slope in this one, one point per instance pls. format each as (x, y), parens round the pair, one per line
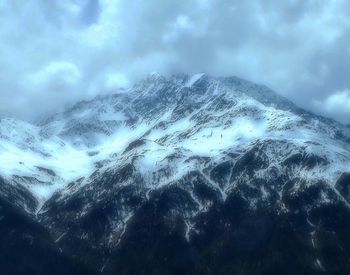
(192, 174)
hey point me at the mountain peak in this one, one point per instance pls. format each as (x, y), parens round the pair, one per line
(181, 162)
(199, 114)
(193, 79)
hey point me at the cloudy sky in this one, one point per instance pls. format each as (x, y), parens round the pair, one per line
(55, 52)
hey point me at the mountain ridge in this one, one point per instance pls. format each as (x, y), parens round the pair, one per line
(197, 156)
(99, 116)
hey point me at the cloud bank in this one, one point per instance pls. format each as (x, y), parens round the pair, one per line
(53, 53)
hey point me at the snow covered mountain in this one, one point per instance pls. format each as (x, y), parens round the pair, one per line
(192, 174)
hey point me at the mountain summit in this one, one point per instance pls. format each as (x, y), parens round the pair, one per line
(192, 174)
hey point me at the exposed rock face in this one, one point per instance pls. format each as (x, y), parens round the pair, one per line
(192, 175)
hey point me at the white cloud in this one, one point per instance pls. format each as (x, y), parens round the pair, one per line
(336, 105)
(114, 81)
(55, 77)
(299, 48)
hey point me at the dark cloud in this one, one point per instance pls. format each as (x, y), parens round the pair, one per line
(58, 52)
(90, 12)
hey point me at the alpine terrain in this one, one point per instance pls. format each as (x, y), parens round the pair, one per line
(176, 175)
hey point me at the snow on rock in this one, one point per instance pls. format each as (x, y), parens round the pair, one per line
(194, 79)
(228, 115)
